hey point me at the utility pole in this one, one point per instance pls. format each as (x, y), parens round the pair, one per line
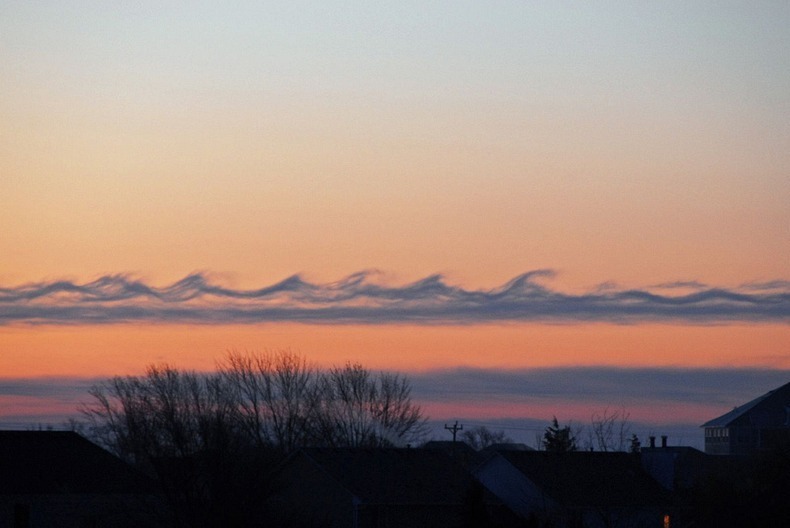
(454, 428)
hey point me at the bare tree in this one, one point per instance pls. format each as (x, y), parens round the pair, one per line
(399, 419)
(275, 393)
(180, 428)
(610, 430)
(166, 412)
(352, 407)
(344, 408)
(481, 437)
(195, 432)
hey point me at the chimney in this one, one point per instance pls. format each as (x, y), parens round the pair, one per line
(652, 442)
(663, 440)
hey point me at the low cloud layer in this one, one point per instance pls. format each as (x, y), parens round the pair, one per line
(525, 396)
(603, 386)
(362, 299)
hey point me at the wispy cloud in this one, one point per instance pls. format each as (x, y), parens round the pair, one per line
(362, 299)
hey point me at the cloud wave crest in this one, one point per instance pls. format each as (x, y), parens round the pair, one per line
(361, 298)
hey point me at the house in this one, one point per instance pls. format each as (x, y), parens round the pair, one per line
(674, 467)
(460, 451)
(58, 478)
(576, 488)
(752, 427)
(361, 488)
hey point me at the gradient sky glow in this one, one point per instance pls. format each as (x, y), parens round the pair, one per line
(634, 150)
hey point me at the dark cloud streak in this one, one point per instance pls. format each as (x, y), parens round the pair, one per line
(360, 299)
(597, 388)
(61, 388)
(607, 385)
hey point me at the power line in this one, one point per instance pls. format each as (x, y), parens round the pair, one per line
(501, 426)
(454, 428)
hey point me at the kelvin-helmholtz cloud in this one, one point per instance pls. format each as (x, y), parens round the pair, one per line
(362, 299)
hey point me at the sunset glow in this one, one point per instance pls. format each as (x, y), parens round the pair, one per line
(413, 187)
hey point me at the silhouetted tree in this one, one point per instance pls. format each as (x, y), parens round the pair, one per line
(209, 438)
(264, 400)
(166, 412)
(635, 445)
(354, 408)
(558, 439)
(180, 427)
(610, 430)
(275, 395)
(481, 437)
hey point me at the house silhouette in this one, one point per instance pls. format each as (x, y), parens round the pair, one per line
(591, 489)
(58, 478)
(752, 427)
(352, 487)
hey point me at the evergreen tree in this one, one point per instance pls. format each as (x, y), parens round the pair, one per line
(636, 445)
(559, 439)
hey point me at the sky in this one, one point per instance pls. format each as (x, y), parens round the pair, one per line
(482, 195)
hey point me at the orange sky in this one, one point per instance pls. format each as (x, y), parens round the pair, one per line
(624, 147)
(109, 350)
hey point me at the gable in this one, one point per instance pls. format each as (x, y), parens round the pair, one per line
(583, 480)
(388, 476)
(772, 409)
(512, 486)
(62, 462)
